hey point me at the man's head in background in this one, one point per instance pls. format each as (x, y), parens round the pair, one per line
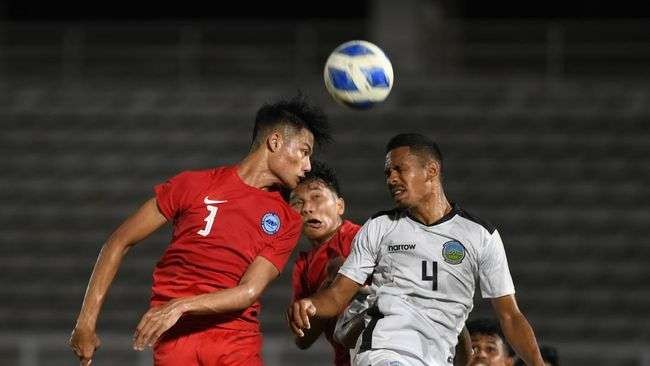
(488, 344)
(318, 200)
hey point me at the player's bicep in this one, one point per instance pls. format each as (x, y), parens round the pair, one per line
(140, 225)
(505, 307)
(258, 275)
(494, 272)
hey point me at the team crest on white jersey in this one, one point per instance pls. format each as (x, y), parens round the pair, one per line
(270, 223)
(453, 252)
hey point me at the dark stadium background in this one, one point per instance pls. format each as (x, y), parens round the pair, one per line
(541, 109)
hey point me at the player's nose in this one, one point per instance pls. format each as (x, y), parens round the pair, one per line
(391, 178)
(306, 208)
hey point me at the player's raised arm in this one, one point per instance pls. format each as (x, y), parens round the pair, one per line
(325, 304)
(141, 224)
(159, 319)
(517, 330)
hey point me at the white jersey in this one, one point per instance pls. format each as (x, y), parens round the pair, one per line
(424, 278)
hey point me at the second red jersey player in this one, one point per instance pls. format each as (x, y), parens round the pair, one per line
(321, 206)
(232, 235)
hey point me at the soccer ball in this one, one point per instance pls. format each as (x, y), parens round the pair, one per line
(358, 74)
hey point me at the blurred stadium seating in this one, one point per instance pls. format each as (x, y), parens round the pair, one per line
(545, 136)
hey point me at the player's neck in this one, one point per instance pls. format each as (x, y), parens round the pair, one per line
(431, 210)
(254, 172)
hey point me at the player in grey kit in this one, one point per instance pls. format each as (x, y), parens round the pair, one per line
(424, 257)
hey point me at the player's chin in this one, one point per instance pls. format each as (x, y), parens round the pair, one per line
(312, 233)
(292, 182)
(400, 202)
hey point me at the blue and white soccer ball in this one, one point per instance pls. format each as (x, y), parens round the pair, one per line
(358, 74)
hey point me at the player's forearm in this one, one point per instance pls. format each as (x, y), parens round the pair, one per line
(329, 303)
(223, 301)
(103, 274)
(521, 337)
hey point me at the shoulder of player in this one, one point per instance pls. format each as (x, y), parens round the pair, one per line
(475, 219)
(349, 228)
(200, 175)
(290, 220)
(391, 215)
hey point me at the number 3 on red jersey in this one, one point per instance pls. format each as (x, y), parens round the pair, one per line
(209, 220)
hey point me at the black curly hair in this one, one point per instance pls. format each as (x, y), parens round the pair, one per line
(296, 113)
(321, 172)
(489, 327)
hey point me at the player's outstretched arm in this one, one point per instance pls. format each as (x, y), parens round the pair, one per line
(157, 320)
(517, 330)
(141, 224)
(325, 304)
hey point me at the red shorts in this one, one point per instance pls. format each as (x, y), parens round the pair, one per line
(210, 347)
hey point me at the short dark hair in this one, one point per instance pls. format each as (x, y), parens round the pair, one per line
(549, 355)
(296, 113)
(321, 172)
(490, 327)
(419, 144)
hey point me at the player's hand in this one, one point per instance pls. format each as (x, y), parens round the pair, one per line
(154, 323)
(84, 342)
(298, 316)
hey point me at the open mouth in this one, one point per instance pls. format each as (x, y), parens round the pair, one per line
(397, 192)
(313, 223)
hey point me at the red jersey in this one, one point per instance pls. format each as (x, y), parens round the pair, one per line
(220, 225)
(310, 271)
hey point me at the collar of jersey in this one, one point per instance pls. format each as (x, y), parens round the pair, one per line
(455, 209)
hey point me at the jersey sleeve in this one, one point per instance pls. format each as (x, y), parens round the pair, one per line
(363, 256)
(299, 290)
(173, 195)
(279, 249)
(493, 269)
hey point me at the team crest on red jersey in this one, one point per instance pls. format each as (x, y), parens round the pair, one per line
(270, 223)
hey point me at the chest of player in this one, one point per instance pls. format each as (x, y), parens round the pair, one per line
(425, 258)
(231, 218)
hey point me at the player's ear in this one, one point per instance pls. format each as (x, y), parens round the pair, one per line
(274, 141)
(340, 206)
(433, 170)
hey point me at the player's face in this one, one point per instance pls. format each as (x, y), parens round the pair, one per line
(320, 208)
(292, 160)
(406, 177)
(489, 350)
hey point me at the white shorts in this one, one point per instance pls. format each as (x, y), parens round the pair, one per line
(385, 357)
